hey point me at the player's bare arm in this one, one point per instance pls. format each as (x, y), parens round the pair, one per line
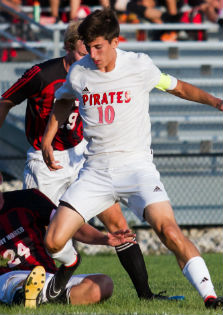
(59, 114)
(5, 106)
(89, 235)
(192, 93)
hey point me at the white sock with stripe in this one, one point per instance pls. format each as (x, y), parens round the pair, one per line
(197, 273)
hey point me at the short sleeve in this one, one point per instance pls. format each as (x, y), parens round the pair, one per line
(26, 86)
(150, 71)
(65, 91)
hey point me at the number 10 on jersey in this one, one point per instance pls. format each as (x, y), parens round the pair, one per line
(106, 114)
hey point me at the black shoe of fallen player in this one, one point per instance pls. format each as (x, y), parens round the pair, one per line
(64, 298)
(160, 296)
(57, 284)
(19, 297)
(214, 303)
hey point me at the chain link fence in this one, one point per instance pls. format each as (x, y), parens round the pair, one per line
(194, 184)
(193, 181)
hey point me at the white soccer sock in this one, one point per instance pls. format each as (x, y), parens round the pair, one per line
(67, 255)
(197, 273)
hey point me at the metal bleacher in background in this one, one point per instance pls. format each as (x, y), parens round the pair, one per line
(184, 134)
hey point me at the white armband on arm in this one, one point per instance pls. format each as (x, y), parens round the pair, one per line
(166, 82)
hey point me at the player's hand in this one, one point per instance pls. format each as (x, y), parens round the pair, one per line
(121, 237)
(47, 152)
(219, 105)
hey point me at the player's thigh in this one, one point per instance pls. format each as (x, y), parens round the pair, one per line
(91, 194)
(52, 184)
(113, 218)
(141, 186)
(160, 215)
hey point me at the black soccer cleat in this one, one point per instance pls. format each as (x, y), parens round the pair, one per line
(64, 298)
(57, 285)
(213, 302)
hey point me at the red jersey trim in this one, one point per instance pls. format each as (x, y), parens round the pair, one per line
(28, 76)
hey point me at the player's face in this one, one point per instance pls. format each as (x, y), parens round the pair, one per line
(1, 195)
(103, 53)
(80, 51)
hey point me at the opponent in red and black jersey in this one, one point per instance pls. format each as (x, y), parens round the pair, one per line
(23, 218)
(38, 85)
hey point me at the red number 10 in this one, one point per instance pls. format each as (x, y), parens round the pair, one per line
(108, 114)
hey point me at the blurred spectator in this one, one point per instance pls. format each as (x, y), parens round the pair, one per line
(7, 54)
(6, 16)
(210, 8)
(144, 9)
(90, 3)
(14, 4)
(55, 5)
(171, 6)
(17, 27)
(172, 9)
(149, 10)
(200, 11)
(104, 3)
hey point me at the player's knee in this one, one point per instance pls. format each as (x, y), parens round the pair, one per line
(107, 287)
(117, 225)
(53, 244)
(101, 288)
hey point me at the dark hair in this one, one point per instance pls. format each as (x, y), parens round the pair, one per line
(99, 23)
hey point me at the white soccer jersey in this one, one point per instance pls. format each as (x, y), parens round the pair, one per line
(114, 106)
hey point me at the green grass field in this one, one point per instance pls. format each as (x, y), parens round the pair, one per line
(164, 274)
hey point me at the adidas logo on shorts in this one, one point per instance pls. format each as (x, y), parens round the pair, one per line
(157, 189)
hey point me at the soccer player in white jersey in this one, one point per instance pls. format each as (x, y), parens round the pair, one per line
(38, 85)
(113, 88)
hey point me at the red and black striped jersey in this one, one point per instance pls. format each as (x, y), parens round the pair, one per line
(23, 219)
(38, 85)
